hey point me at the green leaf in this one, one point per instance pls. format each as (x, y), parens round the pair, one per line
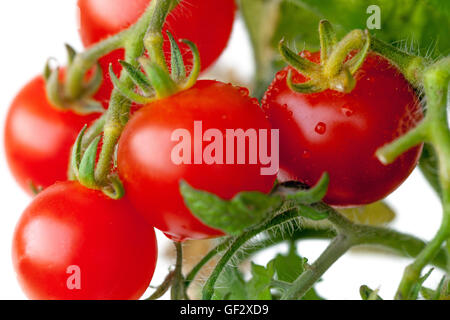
(298, 24)
(289, 267)
(259, 286)
(420, 22)
(441, 293)
(369, 294)
(230, 285)
(429, 294)
(233, 217)
(418, 285)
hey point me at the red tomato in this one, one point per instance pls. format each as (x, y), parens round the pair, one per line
(152, 178)
(38, 137)
(75, 243)
(206, 23)
(340, 133)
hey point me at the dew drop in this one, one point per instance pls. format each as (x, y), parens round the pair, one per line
(321, 128)
(347, 111)
(306, 154)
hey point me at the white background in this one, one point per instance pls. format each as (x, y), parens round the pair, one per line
(31, 31)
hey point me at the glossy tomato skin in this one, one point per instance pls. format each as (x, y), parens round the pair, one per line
(206, 23)
(340, 133)
(152, 179)
(69, 230)
(38, 137)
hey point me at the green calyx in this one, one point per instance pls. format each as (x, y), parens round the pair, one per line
(83, 164)
(155, 82)
(84, 103)
(335, 71)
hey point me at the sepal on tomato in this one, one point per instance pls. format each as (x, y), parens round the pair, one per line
(84, 104)
(156, 82)
(335, 71)
(83, 168)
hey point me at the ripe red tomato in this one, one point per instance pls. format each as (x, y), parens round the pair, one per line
(83, 246)
(206, 23)
(151, 177)
(38, 137)
(339, 133)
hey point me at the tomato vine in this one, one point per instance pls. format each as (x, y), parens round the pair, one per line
(292, 211)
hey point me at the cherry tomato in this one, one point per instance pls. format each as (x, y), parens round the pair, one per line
(75, 243)
(339, 133)
(152, 177)
(206, 23)
(38, 137)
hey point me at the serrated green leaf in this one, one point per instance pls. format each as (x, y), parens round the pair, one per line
(259, 286)
(230, 285)
(289, 267)
(376, 214)
(233, 217)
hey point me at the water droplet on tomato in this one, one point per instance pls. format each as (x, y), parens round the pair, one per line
(321, 128)
(347, 111)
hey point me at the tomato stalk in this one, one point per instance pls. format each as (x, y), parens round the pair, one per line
(117, 114)
(178, 292)
(436, 131)
(411, 66)
(346, 234)
(433, 130)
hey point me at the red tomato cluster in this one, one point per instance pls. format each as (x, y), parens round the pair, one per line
(206, 23)
(75, 243)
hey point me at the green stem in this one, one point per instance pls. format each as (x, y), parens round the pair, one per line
(118, 111)
(399, 243)
(411, 66)
(392, 151)
(237, 243)
(163, 288)
(178, 292)
(340, 245)
(436, 80)
(84, 61)
(154, 39)
(211, 254)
